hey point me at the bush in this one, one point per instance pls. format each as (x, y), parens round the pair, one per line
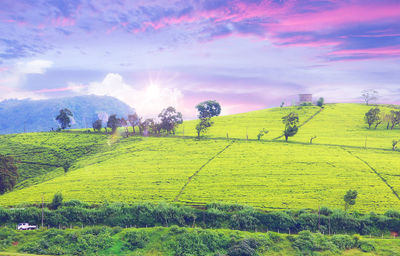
(343, 242)
(136, 239)
(307, 242)
(56, 202)
(366, 246)
(245, 247)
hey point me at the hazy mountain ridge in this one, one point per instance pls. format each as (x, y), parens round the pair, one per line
(27, 115)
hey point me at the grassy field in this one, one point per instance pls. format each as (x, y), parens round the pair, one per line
(267, 174)
(40, 156)
(240, 125)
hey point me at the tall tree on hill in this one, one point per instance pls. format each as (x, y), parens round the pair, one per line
(64, 118)
(203, 125)
(350, 199)
(134, 120)
(170, 119)
(113, 123)
(291, 121)
(369, 95)
(8, 174)
(208, 109)
(373, 116)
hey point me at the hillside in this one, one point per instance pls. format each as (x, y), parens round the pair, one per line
(268, 174)
(17, 116)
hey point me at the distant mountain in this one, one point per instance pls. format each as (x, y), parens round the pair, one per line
(18, 116)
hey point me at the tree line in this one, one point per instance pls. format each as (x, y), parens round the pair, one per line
(214, 215)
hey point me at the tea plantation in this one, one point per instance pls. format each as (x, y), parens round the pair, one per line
(268, 174)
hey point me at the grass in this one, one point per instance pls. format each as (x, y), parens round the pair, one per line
(267, 174)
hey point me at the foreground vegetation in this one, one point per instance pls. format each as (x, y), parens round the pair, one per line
(188, 241)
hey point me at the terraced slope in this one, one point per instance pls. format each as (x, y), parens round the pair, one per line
(41, 156)
(268, 174)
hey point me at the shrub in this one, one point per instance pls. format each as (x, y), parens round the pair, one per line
(136, 239)
(307, 242)
(366, 246)
(245, 247)
(343, 242)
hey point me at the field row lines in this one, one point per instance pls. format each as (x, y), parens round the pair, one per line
(376, 172)
(196, 172)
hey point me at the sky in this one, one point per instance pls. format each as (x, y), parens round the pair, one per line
(246, 54)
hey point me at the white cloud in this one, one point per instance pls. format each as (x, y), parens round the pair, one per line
(147, 101)
(34, 67)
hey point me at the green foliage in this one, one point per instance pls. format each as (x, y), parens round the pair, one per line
(57, 201)
(307, 242)
(208, 109)
(113, 123)
(291, 124)
(97, 125)
(320, 102)
(343, 242)
(350, 198)
(170, 119)
(64, 118)
(8, 174)
(245, 247)
(203, 126)
(366, 246)
(261, 133)
(83, 242)
(373, 117)
(136, 239)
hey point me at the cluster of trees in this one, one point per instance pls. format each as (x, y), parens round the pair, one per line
(8, 174)
(169, 119)
(167, 122)
(374, 117)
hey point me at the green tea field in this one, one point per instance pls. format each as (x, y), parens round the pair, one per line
(267, 174)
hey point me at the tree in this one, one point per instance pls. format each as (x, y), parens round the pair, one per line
(208, 109)
(124, 124)
(113, 123)
(203, 126)
(291, 121)
(369, 95)
(8, 174)
(170, 119)
(57, 201)
(64, 118)
(350, 199)
(97, 125)
(394, 144)
(394, 117)
(373, 116)
(261, 133)
(320, 102)
(134, 120)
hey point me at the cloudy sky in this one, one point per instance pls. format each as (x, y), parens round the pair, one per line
(246, 54)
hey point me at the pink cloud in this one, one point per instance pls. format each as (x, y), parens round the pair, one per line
(377, 52)
(63, 22)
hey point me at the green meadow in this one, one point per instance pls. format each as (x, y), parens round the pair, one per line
(268, 174)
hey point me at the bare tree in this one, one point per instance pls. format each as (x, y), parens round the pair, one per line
(369, 95)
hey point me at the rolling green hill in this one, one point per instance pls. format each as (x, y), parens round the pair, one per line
(267, 174)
